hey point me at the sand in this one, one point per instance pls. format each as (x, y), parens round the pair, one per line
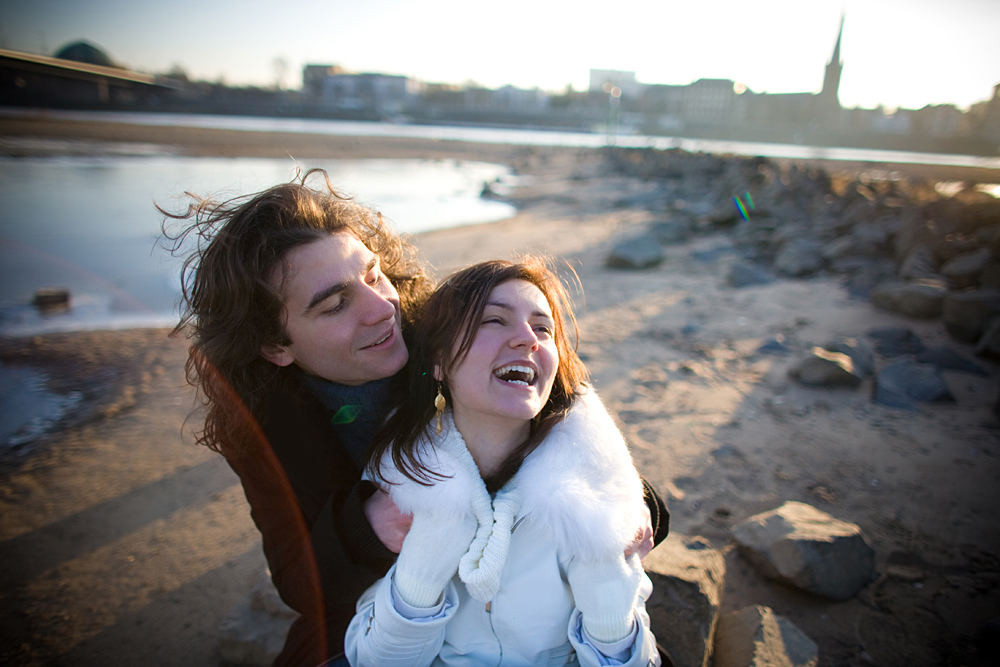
(123, 543)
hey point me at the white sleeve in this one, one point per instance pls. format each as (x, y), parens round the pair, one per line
(379, 635)
(641, 650)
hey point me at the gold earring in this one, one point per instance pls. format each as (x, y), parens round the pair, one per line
(439, 404)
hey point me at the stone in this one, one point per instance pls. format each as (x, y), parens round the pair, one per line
(902, 384)
(799, 257)
(990, 276)
(688, 578)
(966, 314)
(756, 636)
(964, 271)
(947, 359)
(826, 369)
(857, 349)
(920, 300)
(670, 232)
(774, 345)
(920, 264)
(254, 631)
(837, 248)
(895, 341)
(641, 252)
(744, 274)
(989, 343)
(801, 546)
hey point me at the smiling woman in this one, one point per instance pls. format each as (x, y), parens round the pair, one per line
(524, 497)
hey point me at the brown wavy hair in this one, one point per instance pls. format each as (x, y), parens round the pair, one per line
(229, 308)
(446, 328)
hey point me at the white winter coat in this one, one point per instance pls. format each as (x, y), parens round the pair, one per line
(581, 497)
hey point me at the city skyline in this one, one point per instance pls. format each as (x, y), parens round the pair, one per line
(897, 53)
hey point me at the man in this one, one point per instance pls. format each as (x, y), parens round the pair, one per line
(298, 303)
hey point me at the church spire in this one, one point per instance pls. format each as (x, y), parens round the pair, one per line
(831, 80)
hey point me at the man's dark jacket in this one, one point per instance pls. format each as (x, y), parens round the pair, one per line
(307, 499)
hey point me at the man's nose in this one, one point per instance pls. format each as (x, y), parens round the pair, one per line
(378, 307)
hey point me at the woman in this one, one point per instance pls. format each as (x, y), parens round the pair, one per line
(518, 481)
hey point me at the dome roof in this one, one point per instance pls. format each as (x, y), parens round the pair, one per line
(82, 52)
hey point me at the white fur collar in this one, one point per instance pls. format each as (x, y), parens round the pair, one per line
(579, 485)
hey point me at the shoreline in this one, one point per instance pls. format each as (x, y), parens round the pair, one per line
(206, 142)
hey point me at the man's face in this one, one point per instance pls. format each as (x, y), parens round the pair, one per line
(341, 313)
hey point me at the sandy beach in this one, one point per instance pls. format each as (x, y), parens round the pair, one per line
(123, 543)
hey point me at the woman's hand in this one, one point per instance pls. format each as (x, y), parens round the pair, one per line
(430, 555)
(605, 592)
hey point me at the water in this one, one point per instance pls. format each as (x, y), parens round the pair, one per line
(89, 224)
(509, 136)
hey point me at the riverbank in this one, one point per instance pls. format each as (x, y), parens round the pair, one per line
(124, 543)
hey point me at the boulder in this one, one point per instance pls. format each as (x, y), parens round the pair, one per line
(254, 631)
(920, 300)
(757, 637)
(774, 345)
(965, 270)
(920, 264)
(947, 359)
(966, 314)
(670, 232)
(744, 274)
(895, 341)
(799, 257)
(990, 276)
(858, 350)
(799, 545)
(641, 252)
(688, 578)
(989, 343)
(902, 384)
(823, 368)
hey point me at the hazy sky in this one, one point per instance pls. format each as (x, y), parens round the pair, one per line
(900, 53)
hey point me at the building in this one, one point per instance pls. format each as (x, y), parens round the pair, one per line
(92, 82)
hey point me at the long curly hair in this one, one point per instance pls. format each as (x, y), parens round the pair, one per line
(230, 309)
(445, 330)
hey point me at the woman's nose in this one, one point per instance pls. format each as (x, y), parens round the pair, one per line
(524, 335)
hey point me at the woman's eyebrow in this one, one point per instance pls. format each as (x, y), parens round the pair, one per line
(506, 306)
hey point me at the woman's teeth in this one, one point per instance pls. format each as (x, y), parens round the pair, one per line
(515, 374)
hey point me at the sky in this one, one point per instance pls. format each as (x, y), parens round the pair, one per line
(896, 53)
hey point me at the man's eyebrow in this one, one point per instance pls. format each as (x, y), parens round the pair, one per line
(325, 293)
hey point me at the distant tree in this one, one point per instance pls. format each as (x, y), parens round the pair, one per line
(280, 67)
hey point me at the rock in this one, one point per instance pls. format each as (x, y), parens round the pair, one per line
(858, 350)
(990, 276)
(920, 264)
(837, 248)
(688, 578)
(921, 300)
(744, 274)
(947, 359)
(756, 636)
(966, 314)
(895, 341)
(774, 345)
(799, 257)
(670, 232)
(989, 342)
(804, 547)
(964, 271)
(642, 252)
(904, 383)
(826, 369)
(254, 631)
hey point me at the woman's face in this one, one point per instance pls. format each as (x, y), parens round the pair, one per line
(509, 370)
